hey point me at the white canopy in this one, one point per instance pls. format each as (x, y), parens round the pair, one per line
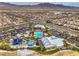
(27, 32)
(18, 35)
(55, 41)
(39, 26)
(26, 35)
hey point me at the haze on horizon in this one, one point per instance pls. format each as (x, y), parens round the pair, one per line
(34, 3)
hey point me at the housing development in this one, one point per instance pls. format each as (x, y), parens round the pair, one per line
(41, 29)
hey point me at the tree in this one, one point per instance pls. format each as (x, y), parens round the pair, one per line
(46, 30)
(77, 38)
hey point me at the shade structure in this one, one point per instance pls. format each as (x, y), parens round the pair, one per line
(39, 26)
(56, 41)
(50, 42)
(18, 35)
(26, 35)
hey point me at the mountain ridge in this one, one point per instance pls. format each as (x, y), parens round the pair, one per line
(40, 5)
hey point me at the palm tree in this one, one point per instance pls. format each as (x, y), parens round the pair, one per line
(32, 32)
(77, 38)
(46, 30)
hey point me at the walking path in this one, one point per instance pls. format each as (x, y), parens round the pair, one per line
(20, 52)
(26, 52)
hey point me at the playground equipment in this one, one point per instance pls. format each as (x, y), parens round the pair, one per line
(17, 41)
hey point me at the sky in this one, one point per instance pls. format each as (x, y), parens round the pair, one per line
(33, 3)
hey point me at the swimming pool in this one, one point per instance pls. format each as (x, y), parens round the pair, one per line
(38, 34)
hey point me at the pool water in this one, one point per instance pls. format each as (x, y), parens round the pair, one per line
(38, 34)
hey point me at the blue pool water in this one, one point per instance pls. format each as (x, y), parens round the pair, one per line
(38, 34)
(31, 43)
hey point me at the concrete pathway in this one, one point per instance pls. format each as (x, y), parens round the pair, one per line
(27, 52)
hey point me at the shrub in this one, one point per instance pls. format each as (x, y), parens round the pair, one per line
(4, 45)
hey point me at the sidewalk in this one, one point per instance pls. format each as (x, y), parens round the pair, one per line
(26, 52)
